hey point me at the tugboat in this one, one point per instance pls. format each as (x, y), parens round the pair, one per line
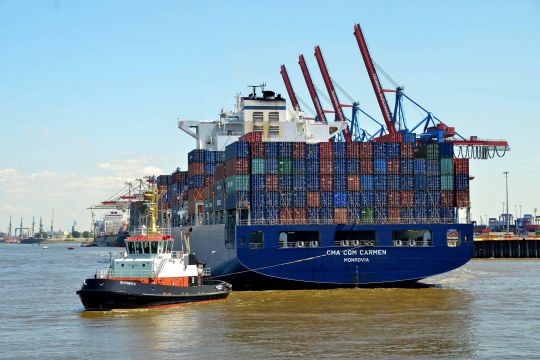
(149, 274)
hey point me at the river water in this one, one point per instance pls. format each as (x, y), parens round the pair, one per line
(484, 310)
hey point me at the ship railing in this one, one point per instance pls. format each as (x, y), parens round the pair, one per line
(124, 274)
(144, 231)
(301, 221)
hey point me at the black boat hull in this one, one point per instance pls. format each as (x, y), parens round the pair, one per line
(106, 294)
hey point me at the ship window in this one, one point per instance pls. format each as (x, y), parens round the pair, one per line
(452, 237)
(356, 238)
(258, 116)
(146, 247)
(258, 128)
(130, 247)
(273, 116)
(256, 240)
(138, 247)
(160, 247)
(154, 247)
(412, 238)
(298, 239)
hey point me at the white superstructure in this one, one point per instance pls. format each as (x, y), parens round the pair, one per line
(268, 115)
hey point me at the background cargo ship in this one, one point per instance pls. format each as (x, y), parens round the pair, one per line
(273, 199)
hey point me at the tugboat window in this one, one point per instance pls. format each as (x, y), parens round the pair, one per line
(138, 247)
(130, 247)
(154, 247)
(146, 247)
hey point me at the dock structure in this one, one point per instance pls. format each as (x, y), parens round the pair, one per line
(515, 247)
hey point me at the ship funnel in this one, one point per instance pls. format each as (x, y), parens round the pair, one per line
(267, 94)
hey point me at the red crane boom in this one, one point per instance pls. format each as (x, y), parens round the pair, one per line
(381, 99)
(290, 90)
(314, 97)
(332, 92)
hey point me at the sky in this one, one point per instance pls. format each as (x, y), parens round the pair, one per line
(91, 91)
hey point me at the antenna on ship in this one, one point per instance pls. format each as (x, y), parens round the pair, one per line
(33, 225)
(254, 94)
(10, 227)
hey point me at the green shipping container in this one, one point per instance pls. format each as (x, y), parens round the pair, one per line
(285, 166)
(368, 215)
(433, 151)
(447, 166)
(237, 183)
(447, 183)
(258, 166)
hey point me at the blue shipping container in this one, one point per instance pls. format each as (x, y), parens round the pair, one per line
(381, 199)
(393, 182)
(340, 150)
(326, 214)
(258, 199)
(420, 182)
(420, 199)
(285, 182)
(210, 169)
(353, 166)
(434, 199)
(434, 183)
(367, 182)
(327, 199)
(433, 167)
(299, 166)
(313, 167)
(420, 166)
(271, 150)
(313, 214)
(299, 199)
(381, 214)
(407, 166)
(340, 182)
(379, 182)
(272, 198)
(258, 183)
(355, 199)
(271, 166)
(299, 183)
(271, 213)
(312, 152)
(379, 166)
(196, 156)
(195, 182)
(285, 150)
(238, 149)
(462, 182)
(340, 166)
(286, 199)
(407, 182)
(368, 199)
(394, 150)
(313, 182)
(340, 199)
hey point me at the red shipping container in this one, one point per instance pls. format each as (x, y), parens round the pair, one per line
(447, 199)
(272, 183)
(313, 199)
(341, 216)
(253, 136)
(394, 199)
(354, 183)
(366, 150)
(179, 177)
(196, 168)
(326, 150)
(353, 150)
(220, 172)
(394, 214)
(299, 215)
(407, 150)
(366, 167)
(257, 150)
(209, 181)
(407, 198)
(239, 166)
(327, 167)
(461, 166)
(299, 150)
(462, 199)
(195, 195)
(286, 215)
(327, 183)
(393, 167)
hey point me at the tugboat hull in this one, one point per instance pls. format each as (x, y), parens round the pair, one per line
(106, 294)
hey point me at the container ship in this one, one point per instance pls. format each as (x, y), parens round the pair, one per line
(272, 199)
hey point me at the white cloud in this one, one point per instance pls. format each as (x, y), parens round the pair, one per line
(132, 168)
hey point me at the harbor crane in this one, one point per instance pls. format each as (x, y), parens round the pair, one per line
(321, 116)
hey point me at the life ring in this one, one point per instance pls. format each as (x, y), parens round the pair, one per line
(345, 243)
(398, 242)
(412, 242)
(314, 244)
(356, 243)
(300, 244)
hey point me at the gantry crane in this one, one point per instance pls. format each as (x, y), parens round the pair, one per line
(321, 116)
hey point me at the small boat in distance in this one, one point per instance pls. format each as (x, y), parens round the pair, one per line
(150, 274)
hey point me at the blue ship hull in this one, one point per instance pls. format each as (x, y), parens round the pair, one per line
(267, 264)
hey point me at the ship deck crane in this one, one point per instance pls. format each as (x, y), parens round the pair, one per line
(288, 86)
(379, 93)
(321, 116)
(340, 116)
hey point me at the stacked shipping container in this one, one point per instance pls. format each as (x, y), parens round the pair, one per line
(333, 182)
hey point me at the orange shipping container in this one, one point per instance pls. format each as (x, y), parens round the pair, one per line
(313, 199)
(341, 216)
(354, 183)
